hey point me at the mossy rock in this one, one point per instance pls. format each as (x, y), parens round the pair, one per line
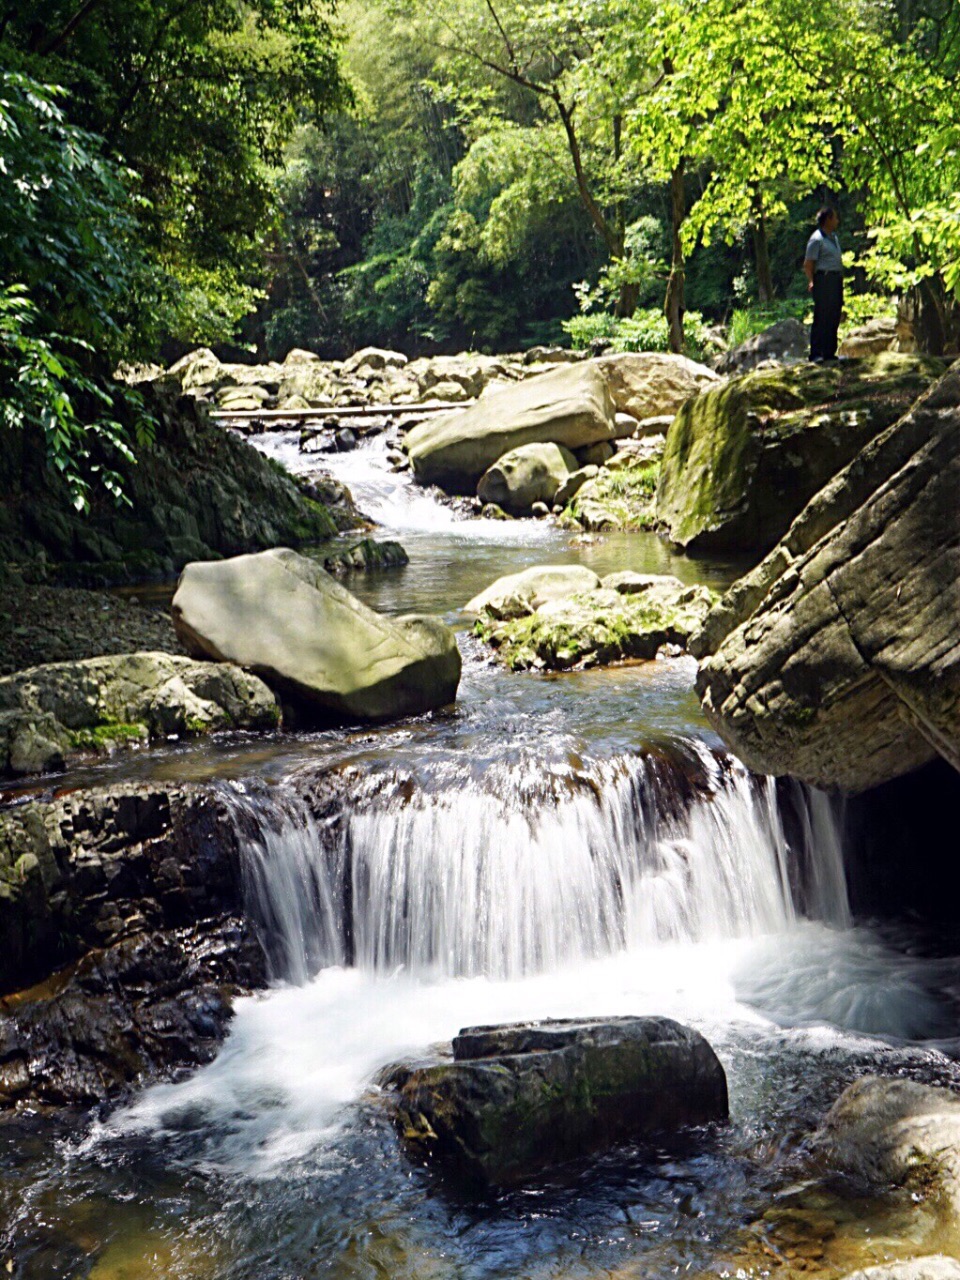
(744, 459)
(621, 498)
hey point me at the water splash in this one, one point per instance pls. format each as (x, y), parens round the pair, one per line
(513, 872)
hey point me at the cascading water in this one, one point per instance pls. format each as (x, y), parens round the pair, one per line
(471, 878)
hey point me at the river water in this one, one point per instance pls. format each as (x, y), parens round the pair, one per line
(575, 845)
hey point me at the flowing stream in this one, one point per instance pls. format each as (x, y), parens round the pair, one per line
(576, 845)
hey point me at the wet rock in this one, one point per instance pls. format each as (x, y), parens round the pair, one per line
(531, 474)
(345, 440)
(742, 461)
(569, 406)
(786, 342)
(283, 617)
(138, 1010)
(325, 488)
(636, 617)
(517, 1100)
(517, 594)
(646, 384)
(366, 555)
(57, 711)
(85, 870)
(896, 1132)
(837, 659)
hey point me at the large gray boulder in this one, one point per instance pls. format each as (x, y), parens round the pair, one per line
(785, 342)
(569, 406)
(649, 384)
(281, 616)
(893, 1132)
(742, 460)
(519, 1099)
(532, 473)
(837, 660)
(51, 713)
(517, 594)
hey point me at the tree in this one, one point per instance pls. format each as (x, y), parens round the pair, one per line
(78, 293)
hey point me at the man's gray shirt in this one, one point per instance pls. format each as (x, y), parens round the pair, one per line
(824, 250)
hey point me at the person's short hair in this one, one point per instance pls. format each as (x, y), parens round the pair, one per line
(827, 211)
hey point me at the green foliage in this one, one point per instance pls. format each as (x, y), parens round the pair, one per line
(643, 331)
(69, 254)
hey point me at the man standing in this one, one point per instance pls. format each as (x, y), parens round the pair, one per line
(823, 267)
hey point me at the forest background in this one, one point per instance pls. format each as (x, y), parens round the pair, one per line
(263, 174)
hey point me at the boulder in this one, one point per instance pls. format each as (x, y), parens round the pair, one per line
(870, 339)
(786, 342)
(896, 1132)
(837, 660)
(551, 355)
(741, 461)
(195, 370)
(50, 713)
(518, 594)
(283, 617)
(532, 473)
(371, 359)
(595, 455)
(647, 384)
(519, 1099)
(625, 425)
(569, 406)
(594, 628)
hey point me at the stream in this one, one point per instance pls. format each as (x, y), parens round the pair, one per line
(555, 846)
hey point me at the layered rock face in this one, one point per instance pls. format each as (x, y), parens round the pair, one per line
(569, 406)
(521, 1098)
(741, 461)
(837, 660)
(281, 616)
(52, 712)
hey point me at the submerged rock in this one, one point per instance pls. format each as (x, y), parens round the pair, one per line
(896, 1132)
(624, 616)
(363, 556)
(283, 617)
(533, 473)
(837, 660)
(569, 406)
(519, 1099)
(742, 461)
(52, 712)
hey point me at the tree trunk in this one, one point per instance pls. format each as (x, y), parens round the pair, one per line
(627, 299)
(673, 303)
(761, 252)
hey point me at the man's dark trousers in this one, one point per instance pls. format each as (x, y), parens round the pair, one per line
(827, 306)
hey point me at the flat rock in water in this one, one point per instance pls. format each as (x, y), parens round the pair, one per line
(517, 594)
(934, 1267)
(837, 660)
(520, 1099)
(283, 617)
(569, 406)
(741, 461)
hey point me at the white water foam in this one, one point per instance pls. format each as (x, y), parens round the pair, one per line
(467, 909)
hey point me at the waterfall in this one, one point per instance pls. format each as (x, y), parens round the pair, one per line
(517, 872)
